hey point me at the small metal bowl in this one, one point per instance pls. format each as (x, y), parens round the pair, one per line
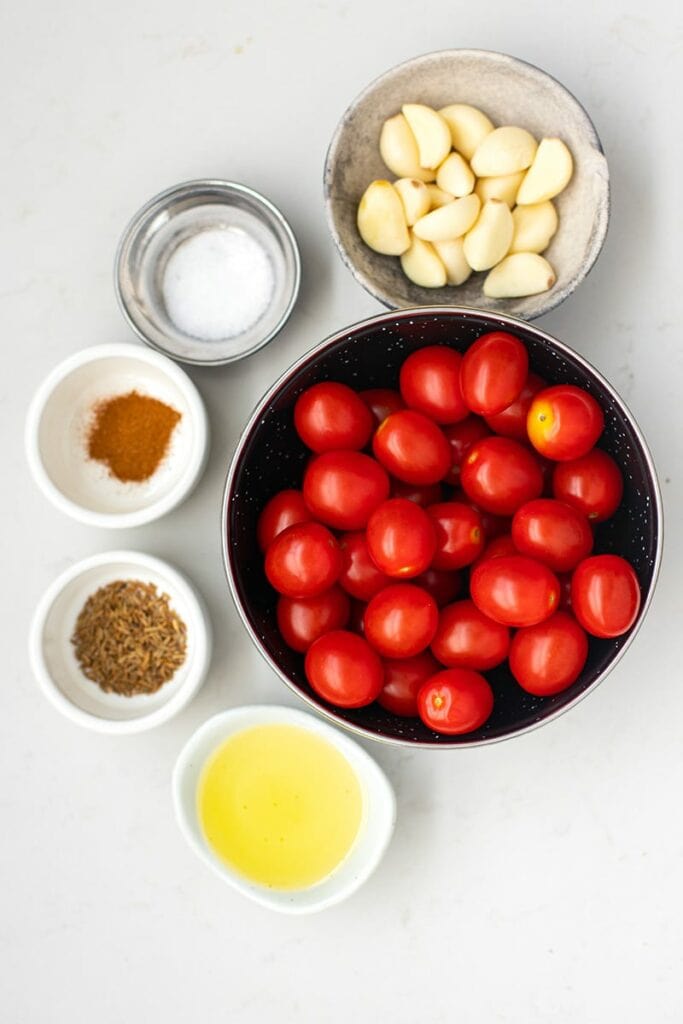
(510, 91)
(270, 457)
(168, 220)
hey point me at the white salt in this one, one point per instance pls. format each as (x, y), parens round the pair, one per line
(217, 284)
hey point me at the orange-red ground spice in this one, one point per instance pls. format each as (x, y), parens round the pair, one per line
(131, 434)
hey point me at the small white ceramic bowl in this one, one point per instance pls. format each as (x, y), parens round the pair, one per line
(379, 813)
(57, 670)
(57, 426)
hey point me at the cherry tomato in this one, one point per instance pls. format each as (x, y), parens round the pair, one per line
(412, 448)
(430, 383)
(342, 489)
(421, 494)
(499, 475)
(605, 595)
(403, 678)
(514, 590)
(444, 586)
(359, 577)
(303, 560)
(302, 620)
(284, 509)
(511, 422)
(593, 484)
(497, 548)
(401, 621)
(564, 422)
(381, 402)
(461, 436)
(401, 538)
(466, 638)
(343, 669)
(494, 370)
(565, 602)
(455, 701)
(554, 533)
(547, 658)
(459, 534)
(330, 416)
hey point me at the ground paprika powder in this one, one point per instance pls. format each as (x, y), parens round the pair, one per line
(131, 434)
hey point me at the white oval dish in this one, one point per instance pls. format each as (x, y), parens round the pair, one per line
(57, 425)
(54, 662)
(379, 814)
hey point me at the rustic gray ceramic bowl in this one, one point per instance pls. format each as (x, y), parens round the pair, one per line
(510, 91)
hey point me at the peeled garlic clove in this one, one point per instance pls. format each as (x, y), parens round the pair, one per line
(523, 273)
(381, 220)
(452, 256)
(534, 227)
(431, 133)
(549, 173)
(468, 126)
(422, 265)
(398, 149)
(450, 221)
(438, 197)
(505, 151)
(504, 187)
(489, 240)
(415, 198)
(455, 176)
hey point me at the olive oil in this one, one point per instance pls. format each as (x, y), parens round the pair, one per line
(279, 805)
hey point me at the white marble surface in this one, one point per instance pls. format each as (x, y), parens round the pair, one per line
(537, 880)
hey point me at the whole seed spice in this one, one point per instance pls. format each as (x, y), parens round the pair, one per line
(128, 639)
(131, 434)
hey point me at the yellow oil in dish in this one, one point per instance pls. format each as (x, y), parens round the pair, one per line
(280, 805)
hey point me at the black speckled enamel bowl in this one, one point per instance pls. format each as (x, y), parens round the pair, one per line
(270, 457)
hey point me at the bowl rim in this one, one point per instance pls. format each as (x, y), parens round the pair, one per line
(555, 297)
(158, 202)
(363, 764)
(156, 509)
(317, 350)
(202, 640)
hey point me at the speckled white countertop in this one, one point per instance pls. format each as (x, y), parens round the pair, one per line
(534, 881)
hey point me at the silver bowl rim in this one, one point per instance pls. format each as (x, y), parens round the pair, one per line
(310, 356)
(555, 297)
(156, 203)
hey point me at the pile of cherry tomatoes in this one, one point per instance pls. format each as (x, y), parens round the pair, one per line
(474, 464)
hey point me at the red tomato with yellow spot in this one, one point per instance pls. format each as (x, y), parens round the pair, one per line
(342, 489)
(547, 658)
(302, 620)
(564, 422)
(461, 436)
(359, 576)
(403, 678)
(605, 595)
(401, 538)
(430, 383)
(592, 484)
(511, 422)
(554, 533)
(466, 638)
(343, 669)
(494, 370)
(514, 590)
(455, 701)
(381, 402)
(329, 416)
(499, 475)
(284, 509)
(412, 448)
(459, 534)
(400, 621)
(303, 560)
